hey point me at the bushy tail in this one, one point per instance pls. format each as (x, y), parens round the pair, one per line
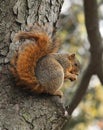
(29, 56)
(42, 40)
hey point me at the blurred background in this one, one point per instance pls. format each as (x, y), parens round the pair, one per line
(89, 114)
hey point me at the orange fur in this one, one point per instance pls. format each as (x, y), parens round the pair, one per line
(24, 63)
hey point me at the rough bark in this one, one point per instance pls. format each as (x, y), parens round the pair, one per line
(20, 109)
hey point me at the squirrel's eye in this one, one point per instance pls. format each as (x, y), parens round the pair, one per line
(76, 64)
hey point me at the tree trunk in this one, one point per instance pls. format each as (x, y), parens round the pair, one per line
(20, 109)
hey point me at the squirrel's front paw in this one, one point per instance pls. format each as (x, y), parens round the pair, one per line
(73, 77)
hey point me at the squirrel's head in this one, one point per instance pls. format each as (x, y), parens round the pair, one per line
(73, 69)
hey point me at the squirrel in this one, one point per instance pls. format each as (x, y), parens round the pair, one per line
(37, 65)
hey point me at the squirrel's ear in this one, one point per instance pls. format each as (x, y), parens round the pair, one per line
(71, 57)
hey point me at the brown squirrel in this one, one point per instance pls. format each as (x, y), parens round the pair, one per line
(38, 67)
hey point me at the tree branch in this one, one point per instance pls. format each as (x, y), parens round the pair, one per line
(92, 26)
(82, 87)
(94, 67)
